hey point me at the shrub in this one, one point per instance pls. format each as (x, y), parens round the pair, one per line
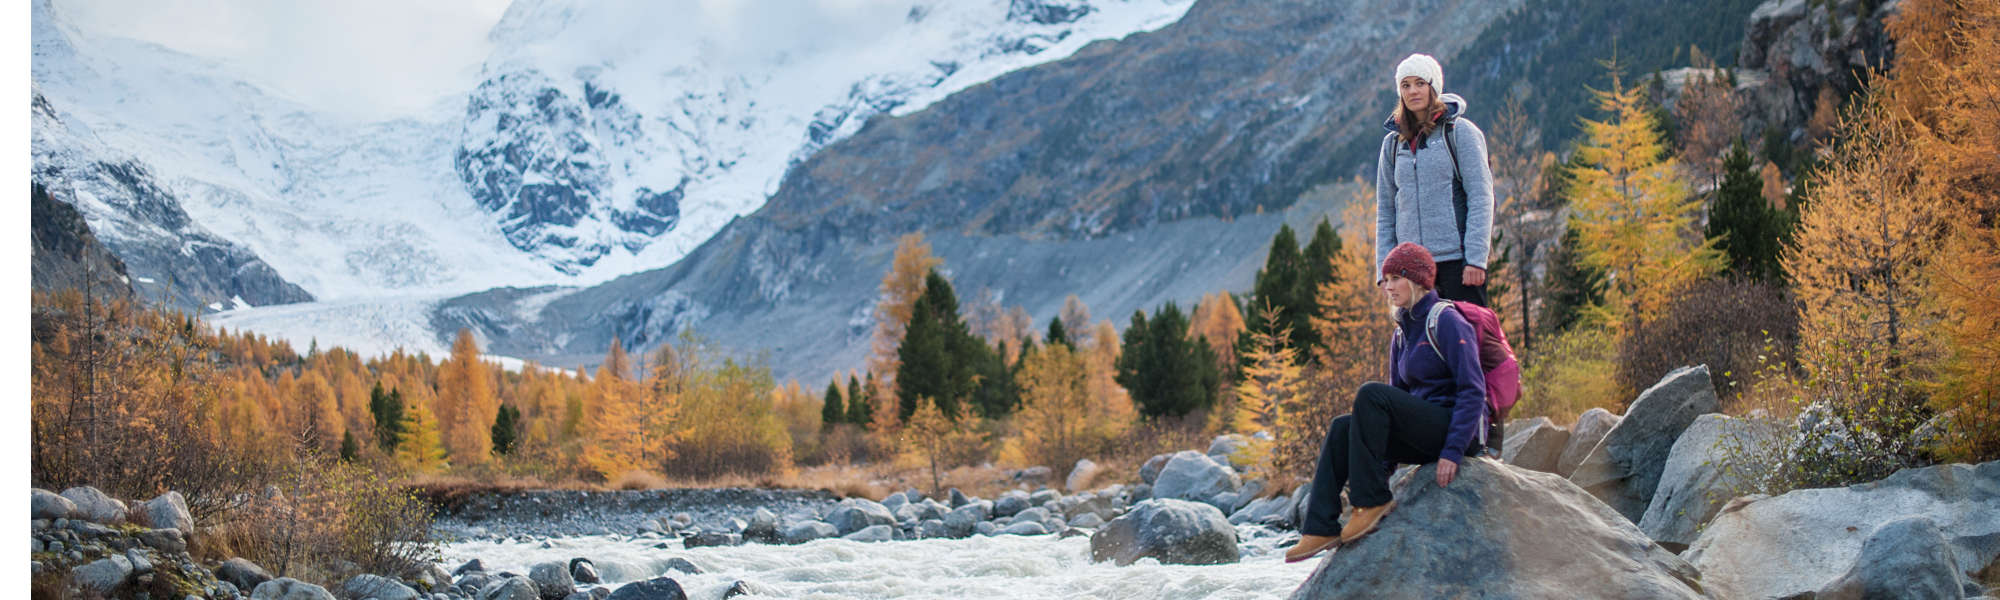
(1722, 323)
(327, 520)
(1569, 374)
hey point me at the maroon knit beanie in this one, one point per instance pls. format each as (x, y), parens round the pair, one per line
(1413, 262)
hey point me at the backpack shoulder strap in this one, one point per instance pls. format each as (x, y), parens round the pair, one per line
(1431, 325)
(1457, 179)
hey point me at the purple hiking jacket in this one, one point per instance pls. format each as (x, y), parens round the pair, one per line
(1453, 382)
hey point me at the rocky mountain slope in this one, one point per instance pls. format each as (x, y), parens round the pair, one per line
(1150, 169)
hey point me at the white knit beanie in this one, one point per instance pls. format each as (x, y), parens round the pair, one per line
(1420, 65)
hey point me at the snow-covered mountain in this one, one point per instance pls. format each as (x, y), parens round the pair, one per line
(605, 138)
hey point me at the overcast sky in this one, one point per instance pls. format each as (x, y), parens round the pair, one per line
(366, 58)
(385, 58)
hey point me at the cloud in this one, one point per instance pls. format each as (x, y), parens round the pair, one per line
(364, 58)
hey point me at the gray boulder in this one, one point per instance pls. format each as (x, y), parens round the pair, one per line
(933, 528)
(895, 501)
(1904, 558)
(1168, 530)
(552, 579)
(1624, 471)
(985, 528)
(1799, 542)
(511, 587)
(1081, 475)
(582, 570)
(51, 505)
(292, 589)
(245, 575)
(960, 521)
(1010, 503)
(378, 587)
(1036, 514)
(1087, 520)
(1225, 448)
(1035, 475)
(94, 505)
(679, 564)
(872, 533)
(1191, 475)
(1043, 496)
(657, 588)
(763, 526)
(711, 538)
(1698, 478)
(1589, 430)
(1025, 527)
(958, 498)
(1151, 470)
(104, 575)
(1535, 444)
(169, 511)
(807, 531)
(856, 514)
(1492, 531)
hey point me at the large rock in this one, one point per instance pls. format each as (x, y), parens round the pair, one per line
(961, 521)
(242, 573)
(94, 505)
(856, 514)
(552, 579)
(1025, 527)
(378, 587)
(1589, 430)
(1010, 503)
(807, 531)
(1081, 475)
(1493, 531)
(1624, 471)
(762, 527)
(1799, 542)
(290, 589)
(1150, 471)
(872, 533)
(51, 505)
(1170, 531)
(1700, 478)
(1191, 475)
(1904, 558)
(169, 511)
(104, 575)
(657, 588)
(1226, 449)
(512, 587)
(1535, 444)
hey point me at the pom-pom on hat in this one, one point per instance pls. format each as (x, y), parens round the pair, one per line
(1413, 262)
(1422, 66)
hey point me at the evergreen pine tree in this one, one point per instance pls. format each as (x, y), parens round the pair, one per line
(348, 448)
(1167, 372)
(387, 408)
(853, 398)
(832, 410)
(1572, 285)
(861, 409)
(1748, 229)
(1316, 269)
(1058, 334)
(506, 429)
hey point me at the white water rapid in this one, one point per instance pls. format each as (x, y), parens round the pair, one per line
(985, 568)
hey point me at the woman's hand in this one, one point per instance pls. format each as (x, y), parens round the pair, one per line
(1474, 276)
(1447, 471)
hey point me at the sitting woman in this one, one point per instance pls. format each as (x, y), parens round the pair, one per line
(1431, 411)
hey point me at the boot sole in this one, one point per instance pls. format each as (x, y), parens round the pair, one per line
(1336, 544)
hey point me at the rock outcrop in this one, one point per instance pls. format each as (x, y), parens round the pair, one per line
(1498, 528)
(1624, 470)
(1799, 542)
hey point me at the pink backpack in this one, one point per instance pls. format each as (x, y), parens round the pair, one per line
(1496, 358)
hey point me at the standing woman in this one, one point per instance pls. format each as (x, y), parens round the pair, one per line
(1429, 411)
(1432, 184)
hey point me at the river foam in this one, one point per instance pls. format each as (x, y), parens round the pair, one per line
(979, 567)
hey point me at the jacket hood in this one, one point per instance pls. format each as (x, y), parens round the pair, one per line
(1454, 107)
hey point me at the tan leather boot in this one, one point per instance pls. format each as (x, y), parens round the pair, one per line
(1309, 546)
(1364, 521)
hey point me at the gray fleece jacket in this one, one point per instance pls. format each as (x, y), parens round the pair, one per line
(1413, 192)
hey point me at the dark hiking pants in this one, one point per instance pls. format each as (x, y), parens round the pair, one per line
(1451, 284)
(1388, 425)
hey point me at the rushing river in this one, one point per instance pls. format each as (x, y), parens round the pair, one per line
(984, 568)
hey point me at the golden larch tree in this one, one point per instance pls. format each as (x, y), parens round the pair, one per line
(466, 402)
(422, 449)
(1054, 417)
(1632, 211)
(1217, 320)
(617, 438)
